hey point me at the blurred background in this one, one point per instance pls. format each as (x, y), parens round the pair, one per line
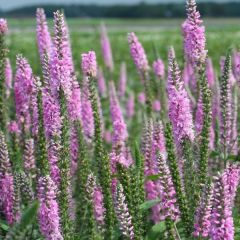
(157, 23)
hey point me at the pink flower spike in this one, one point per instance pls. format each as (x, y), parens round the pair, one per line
(89, 64)
(3, 26)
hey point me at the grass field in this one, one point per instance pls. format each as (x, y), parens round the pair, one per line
(221, 34)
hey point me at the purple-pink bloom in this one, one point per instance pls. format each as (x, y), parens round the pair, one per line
(101, 82)
(138, 53)
(87, 113)
(158, 68)
(99, 210)
(210, 74)
(13, 127)
(51, 115)
(106, 48)
(232, 173)
(194, 34)
(6, 183)
(23, 88)
(8, 78)
(166, 192)
(141, 98)
(43, 36)
(179, 103)
(236, 65)
(120, 133)
(89, 64)
(130, 106)
(61, 61)
(7, 198)
(52, 126)
(122, 80)
(221, 217)
(123, 216)
(3, 26)
(74, 105)
(28, 155)
(188, 76)
(48, 214)
(156, 105)
(202, 217)
(158, 141)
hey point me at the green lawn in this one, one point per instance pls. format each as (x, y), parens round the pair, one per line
(221, 34)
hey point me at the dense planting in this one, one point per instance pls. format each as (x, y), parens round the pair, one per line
(84, 156)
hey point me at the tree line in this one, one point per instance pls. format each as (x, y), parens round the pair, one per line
(141, 10)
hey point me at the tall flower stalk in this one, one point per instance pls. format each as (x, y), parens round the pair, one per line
(3, 54)
(174, 170)
(89, 68)
(43, 36)
(106, 48)
(225, 109)
(140, 59)
(61, 86)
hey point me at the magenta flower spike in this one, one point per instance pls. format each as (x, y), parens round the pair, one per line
(123, 215)
(122, 80)
(75, 105)
(8, 78)
(188, 76)
(179, 103)
(48, 214)
(202, 220)
(74, 110)
(99, 210)
(52, 125)
(221, 216)
(120, 133)
(89, 64)
(13, 127)
(87, 113)
(3, 26)
(43, 36)
(61, 62)
(141, 98)
(236, 65)
(167, 194)
(158, 68)
(194, 34)
(233, 180)
(7, 198)
(6, 183)
(158, 142)
(138, 54)
(101, 82)
(29, 157)
(130, 106)
(156, 105)
(23, 88)
(106, 48)
(210, 74)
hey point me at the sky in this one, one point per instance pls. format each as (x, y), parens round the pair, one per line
(10, 4)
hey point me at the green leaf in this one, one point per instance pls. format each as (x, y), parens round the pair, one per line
(137, 154)
(159, 227)
(153, 177)
(148, 204)
(18, 231)
(214, 154)
(157, 231)
(4, 225)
